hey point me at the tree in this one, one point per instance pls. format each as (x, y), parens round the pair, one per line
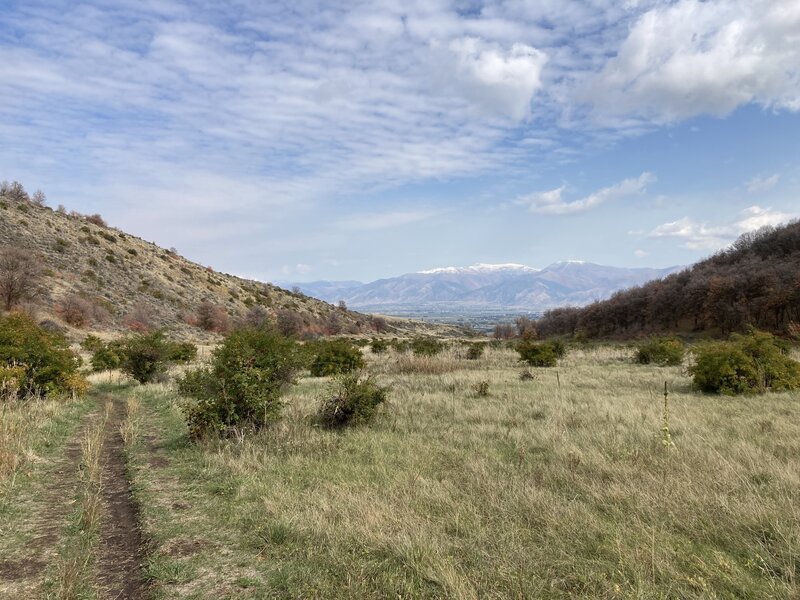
(14, 191)
(38, 198)
(20, 276)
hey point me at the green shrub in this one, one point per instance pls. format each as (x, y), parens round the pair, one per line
(379, 346)
(660, 351)
(475, 350)
(145, 357)
(182, 352)
(352, 400)
(751, 363)
(91, 343)
(539, 354)
(400, 346)
(34, 361)
(426, 346)
(244, 384)
(335, 357)
(559, 347)
(107, 357)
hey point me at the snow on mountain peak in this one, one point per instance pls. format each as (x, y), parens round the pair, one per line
(481, 268)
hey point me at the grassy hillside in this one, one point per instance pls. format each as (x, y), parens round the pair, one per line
(121, 280)
(754, 282)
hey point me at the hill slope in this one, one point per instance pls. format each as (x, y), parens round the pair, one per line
(124, 278)
(754, 282)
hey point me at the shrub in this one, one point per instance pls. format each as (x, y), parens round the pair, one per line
(481, 388)
(139, 319)
(751, 363)
(244, 384)
(145, 357)
(107, 357)
(426, 346)
(76, 310)
(353, 400)
(664, 352)
(335, 357)
(181, 352)
(379, 346)
(289, 322)
(212, 317)
(35, 361)
(541, 354)
(91, 343)
(475, 351)
(400, 346)
(96, 220)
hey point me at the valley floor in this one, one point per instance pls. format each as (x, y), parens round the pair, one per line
(562, 486)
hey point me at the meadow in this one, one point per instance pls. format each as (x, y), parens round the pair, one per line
(575, 483)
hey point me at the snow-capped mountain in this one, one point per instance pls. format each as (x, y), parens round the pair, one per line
(486, 285)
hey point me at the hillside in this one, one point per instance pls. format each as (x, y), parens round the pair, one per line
(121, 282)
(756, 281)
(509, 286)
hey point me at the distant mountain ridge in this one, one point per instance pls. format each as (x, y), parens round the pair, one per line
(513, 286)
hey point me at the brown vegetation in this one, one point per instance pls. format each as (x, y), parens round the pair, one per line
(755, 282)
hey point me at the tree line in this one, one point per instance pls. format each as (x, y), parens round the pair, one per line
(754, 282)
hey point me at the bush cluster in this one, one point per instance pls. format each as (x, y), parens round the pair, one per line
(143, 357)
(660, 351)
(379, 346)
(751, 363)
(475, 350)
(426, 346)
(541, 354)
(334, 357)
(243, 385)
(352, 400)
(34, 361)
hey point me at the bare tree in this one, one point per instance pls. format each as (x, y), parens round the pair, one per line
(20, 276)
(14, 190)
(38, 198)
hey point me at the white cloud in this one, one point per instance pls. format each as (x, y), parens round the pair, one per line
(386, 220)
(758, 185)
(551, 202)
(691, 57)
(640, 253)
(500, 81)
(702, 236)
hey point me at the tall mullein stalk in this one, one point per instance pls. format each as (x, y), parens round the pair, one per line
(666, 437)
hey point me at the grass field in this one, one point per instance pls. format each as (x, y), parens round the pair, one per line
(561, 486)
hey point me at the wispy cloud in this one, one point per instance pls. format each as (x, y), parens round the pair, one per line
(552, 202)
(386, 220)
(759, 185)
(703, 236)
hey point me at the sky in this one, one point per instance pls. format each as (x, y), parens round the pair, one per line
(308, 140)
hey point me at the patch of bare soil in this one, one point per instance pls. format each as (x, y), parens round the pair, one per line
(121, 553)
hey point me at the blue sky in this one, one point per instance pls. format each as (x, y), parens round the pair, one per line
(310, 140)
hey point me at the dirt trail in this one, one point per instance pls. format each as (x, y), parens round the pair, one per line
(121, 552)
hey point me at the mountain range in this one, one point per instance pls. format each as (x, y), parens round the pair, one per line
(512, 286)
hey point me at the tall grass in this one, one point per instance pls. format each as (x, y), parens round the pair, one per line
(536, 490)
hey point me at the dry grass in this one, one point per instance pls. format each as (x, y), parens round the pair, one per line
(539, 490)
(25, 428)
(73, 574)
